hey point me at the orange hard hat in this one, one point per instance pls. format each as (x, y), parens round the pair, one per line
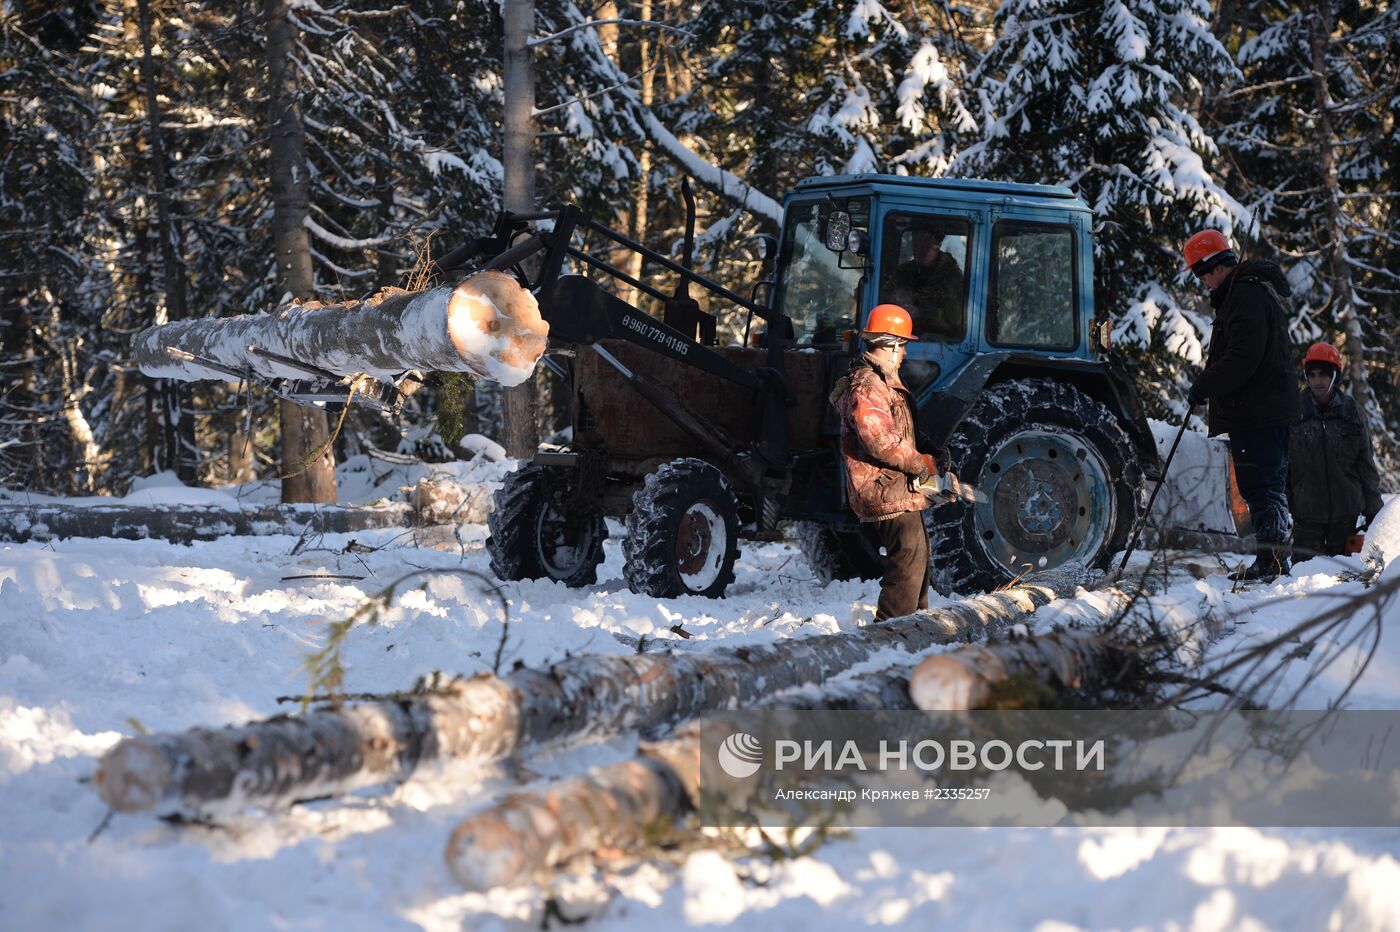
(891, 319)
(1323, 352)
(1204, 245)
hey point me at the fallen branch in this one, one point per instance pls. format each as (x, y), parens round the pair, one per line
(487, 717)
(488, 325)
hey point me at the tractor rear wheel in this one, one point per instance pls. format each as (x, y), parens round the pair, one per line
(682, 532)
(839, 553)
(537, 532)
(1061, 479)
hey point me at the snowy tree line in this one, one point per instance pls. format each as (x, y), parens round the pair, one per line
(141, 147)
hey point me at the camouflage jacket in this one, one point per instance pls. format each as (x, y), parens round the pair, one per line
(877, 443)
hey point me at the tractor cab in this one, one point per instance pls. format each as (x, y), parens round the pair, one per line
(982, 267)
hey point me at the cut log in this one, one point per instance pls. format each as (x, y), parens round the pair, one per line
(973, 677)
(980, 676)
(487, 717)
(487, 325)
(623, 805)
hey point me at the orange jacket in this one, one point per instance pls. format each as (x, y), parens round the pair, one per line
(877, 443)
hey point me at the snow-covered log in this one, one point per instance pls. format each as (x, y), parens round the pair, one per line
(488, 325)
(487, 717)
(970, 678)
(622, 805)
(1163, 632)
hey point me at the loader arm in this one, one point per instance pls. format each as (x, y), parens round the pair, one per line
(581, 313)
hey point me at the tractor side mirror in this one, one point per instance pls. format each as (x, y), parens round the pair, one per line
(838, 227)
(766, 246)
(762, 293)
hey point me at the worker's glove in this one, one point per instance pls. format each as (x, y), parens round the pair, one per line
(1365, 523)
(1194, 397)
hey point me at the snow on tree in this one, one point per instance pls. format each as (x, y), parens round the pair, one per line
(1312, 127)
(1096, 95)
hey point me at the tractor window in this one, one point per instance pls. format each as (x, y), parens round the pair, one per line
(817, 293)
(923, 269)
(1033, 297)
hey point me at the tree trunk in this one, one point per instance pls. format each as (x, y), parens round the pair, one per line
(1343, 292)
(487, 325)
(181, 452)
(518, 162)
(486, 717)
(638, 215)
(303, 430)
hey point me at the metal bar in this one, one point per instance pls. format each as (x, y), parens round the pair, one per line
(521, 250)
(297, 364)
(1138, 525)
(204, 363)
(706, 283)
(617, 273)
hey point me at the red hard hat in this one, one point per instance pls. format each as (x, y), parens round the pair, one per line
(1323, 352)
(1203, 245)
(891, 319)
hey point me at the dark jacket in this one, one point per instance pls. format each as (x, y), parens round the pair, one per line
(878, 443)
(1249, 378)
(1332, 472)
(932, 294)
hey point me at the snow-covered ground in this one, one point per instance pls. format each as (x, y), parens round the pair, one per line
(99, 639)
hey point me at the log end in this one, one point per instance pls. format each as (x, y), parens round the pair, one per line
(485, 852)
(134, 776)
(942, 683)
(495, 322)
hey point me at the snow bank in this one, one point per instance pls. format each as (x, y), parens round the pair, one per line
(102, 638)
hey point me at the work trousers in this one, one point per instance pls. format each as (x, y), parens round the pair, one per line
(1315, 538)
(1260, 458)
(904, 588)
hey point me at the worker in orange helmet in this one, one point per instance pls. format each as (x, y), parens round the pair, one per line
(1249, 384)
(883, 462)
(1332, 475)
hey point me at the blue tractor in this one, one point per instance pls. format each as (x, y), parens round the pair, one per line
(697, 445)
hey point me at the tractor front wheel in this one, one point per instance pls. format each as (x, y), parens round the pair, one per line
(1061, 482)
(682, 532)
(538, 531)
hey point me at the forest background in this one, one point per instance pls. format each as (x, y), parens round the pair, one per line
(151, 153)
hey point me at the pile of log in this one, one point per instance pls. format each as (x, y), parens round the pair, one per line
(486, 717)
(487, 325)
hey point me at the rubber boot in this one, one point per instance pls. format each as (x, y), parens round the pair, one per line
(1271, 560)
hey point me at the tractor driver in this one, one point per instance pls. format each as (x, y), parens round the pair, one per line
(882, 462)
(929, 284)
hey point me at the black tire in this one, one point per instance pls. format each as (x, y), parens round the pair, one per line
(847, 553)
(682, 532)
(533, 535)
(1013, 446)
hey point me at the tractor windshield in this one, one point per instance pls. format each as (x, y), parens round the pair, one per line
(818, 294)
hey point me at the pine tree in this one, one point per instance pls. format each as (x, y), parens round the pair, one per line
(1097, 95)
(1312, 129)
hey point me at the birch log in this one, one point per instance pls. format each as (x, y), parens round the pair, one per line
(486, 718)
(619, 805)
(488, 325)
(1152, 629)
(969, 678)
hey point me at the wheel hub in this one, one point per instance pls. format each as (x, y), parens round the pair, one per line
(701, 542)
(1049, 501)
(561, 540)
